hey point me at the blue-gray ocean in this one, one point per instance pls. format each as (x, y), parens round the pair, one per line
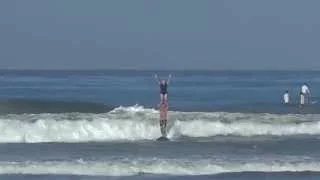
(93, 125)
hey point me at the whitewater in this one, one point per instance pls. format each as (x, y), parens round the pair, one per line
(136, 123)
(154, 166)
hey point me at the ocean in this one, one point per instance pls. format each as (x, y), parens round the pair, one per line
(103, 124)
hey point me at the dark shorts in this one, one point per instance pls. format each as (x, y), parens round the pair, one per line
(164, 93)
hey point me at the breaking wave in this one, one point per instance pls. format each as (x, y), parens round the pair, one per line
(138, 123)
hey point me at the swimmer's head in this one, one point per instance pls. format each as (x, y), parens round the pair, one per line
(162, 81)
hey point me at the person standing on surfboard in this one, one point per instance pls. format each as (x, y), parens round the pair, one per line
(163, 88)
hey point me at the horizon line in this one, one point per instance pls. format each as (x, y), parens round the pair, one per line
(142, 69)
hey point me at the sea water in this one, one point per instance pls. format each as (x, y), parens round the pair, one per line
(104, 125)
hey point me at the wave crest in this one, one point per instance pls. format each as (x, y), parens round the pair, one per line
(138, 123)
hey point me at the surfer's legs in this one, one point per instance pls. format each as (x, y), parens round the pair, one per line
(163, 127)
(163, 97)
(165, 114)
(162, 115)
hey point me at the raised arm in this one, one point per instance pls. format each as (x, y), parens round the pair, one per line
(157, 78)
(169, 79)
(308, 89)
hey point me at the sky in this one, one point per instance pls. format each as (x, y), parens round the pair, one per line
(160, 34)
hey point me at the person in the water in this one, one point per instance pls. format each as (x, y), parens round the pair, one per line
(286, 98)
(305, 90)
(163, 88)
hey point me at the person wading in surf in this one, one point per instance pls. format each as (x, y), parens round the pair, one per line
(163, 88)
(305, 90)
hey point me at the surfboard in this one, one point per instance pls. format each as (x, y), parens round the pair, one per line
(163, 138)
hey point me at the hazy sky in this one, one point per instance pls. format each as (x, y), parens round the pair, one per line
(160, 34)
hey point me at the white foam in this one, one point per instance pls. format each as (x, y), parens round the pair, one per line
(155, 166)
(138, 123)
(200, 128)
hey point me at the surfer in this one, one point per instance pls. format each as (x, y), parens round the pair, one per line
(286, 97)
(163, 88)
(305, 90)
(163, 118)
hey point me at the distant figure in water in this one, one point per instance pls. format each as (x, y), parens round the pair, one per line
(286, 97)
(302, 100)
(163, 88)
(305, 90)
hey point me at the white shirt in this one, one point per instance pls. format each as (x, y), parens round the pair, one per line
(286, 98)
(302, 99)
(305, 89)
